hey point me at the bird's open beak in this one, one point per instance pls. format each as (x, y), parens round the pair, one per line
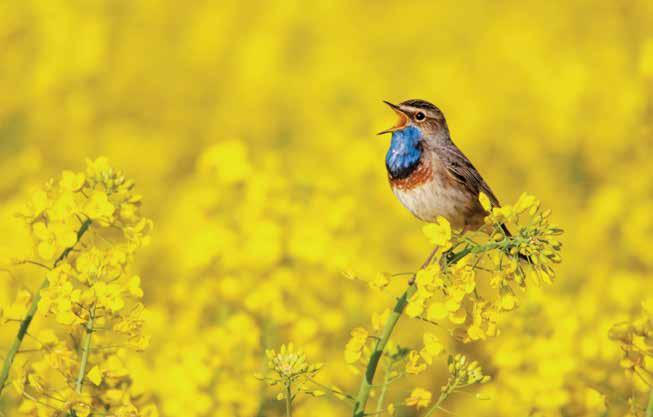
(403, 119)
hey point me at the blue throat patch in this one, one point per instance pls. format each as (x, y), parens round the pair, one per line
(404, 153)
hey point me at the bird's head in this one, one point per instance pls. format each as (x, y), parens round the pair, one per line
(418, 118)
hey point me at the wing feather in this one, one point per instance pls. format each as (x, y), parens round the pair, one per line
(461, 170)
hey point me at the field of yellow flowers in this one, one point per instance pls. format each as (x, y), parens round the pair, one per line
(196, 219)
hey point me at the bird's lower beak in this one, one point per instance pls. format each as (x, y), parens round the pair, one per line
(403, 119)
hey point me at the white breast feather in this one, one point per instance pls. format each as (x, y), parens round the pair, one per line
(434, 198)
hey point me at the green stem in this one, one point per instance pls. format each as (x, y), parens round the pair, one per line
(437, 405)
(388, 328)
(288, 400)
(379, 347)
(332, 391)
(27, 320)
(446, 391)
(86, 348)
(384, 389)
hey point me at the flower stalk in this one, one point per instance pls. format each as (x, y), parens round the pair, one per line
(450, 258)
(86, 348)
(384, 390)
(31, 312)
(382, 341)
(388, 328)
(443, 396)
(288, 395)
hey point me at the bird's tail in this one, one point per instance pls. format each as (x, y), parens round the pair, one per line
(521, 255)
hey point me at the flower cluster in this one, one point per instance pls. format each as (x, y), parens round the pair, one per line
(292, 372)
(635, 339)
(88, 225)
(451, 289)
(464, 287)
(463, 373)
(536, 241)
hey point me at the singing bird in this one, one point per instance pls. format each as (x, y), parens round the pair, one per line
(429, 175)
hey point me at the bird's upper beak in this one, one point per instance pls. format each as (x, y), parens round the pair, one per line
(403, 118)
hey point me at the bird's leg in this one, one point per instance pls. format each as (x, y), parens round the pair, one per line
(426, 263)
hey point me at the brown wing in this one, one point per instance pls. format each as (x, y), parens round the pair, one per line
(462, 171)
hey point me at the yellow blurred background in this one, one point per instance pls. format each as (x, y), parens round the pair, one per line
(249, 128)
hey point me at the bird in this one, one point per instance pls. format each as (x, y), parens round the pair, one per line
(429, 174)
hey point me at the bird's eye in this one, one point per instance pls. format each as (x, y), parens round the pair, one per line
(420, 116)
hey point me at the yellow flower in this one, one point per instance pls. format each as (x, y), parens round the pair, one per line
(65, 316)
(414, 366)
(287, 362)
(17, 310)
(485, 202)
(90, 266)
(129, 212)
(502, 215)
(437, 311)
(292, 371)
(439, 233)
(419, 398)
(525, 202)
(108, 295)
(427, 277)
(98, 168)
(53, 239)
(63, 207)
(459, 316)
(71, 181)
(95, 375)
(475, 332)
(37, 204)
(508, 300)
(432, 347)
(134, 286)
(98, 207)
(380, 281)
(416, 302)
(354, 347)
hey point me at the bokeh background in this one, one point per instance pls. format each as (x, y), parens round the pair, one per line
(250, 130)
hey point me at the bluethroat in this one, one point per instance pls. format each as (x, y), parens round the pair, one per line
(429, 175)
